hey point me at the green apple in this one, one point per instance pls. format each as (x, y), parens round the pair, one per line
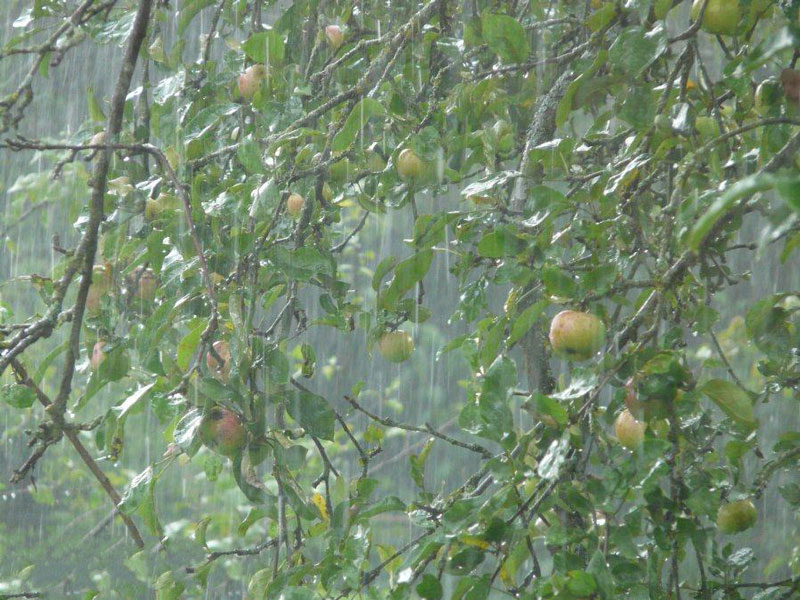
(721, 16)
(409, 166)
(294, 205)
(334, 35)
(250, 81)
(396, 346)
(222, 430)
(219, 370)
(736, 516)
(628, 430)
(576, 335)
(98, 139)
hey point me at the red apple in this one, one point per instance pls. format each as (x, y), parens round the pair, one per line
(334, 35)
(222, 430)
(219, 370)
(250, 81)
(98, 356)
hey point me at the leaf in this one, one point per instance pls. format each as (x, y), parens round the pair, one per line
(136, 491)
(188, 344)
(406, 275)
(565, 106)
(506, 36)
(632, 50)
(131, 401)
(733, 401)
(550, 465)
(418, 464)
(312, 412)
(17, 396)
(526, 320)
(429, 587)
(501, 242)
(741, 189)
(249, 154)
(265, 47)
(361, 113)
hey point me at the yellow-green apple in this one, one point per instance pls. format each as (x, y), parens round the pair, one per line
(294, 205)
(146, 284)
(155, 207)
(396, 346)
(223, 431)
(721, 16)
(736, 516)
(409, 166)
(628, 430)
(577, 335)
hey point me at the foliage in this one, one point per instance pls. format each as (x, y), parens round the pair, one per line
(605, 157)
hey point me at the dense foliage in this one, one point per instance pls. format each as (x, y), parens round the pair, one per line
(266, 216)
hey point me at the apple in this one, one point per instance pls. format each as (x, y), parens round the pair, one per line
(334, 35)
(98, 139)
(250, 81)
(628, 430)
(577, 335)
(219, 370)
(155, 207)
(222, 430)
(768, 97)
(294, 205)
(736, 516)
(707, 127)
(721, 16)
(409, 165)
(790, 79)
(396, 346)
(98, 356)
(147, 284)
(100, 287)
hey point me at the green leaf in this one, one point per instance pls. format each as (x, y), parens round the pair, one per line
(566, 105)
(312, 412)
(500, 243)
(526, 320)
(506, 36)
(733, 400)
(131, 401)
(632, 50)
(358, 117)
(418, 464)
(406, 275)
(249, 154)
(739, 190)
(429, 587)
(17, 396)
(265, 47)
(188, 344)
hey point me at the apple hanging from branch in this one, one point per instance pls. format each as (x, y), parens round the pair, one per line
(396, 346)
(736, 516)
(251, 79)
(577, 335)
(220, 370)
(223, 431)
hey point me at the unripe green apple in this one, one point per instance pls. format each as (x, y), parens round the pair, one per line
(334, 35)
(768, 97)
(577, 335)
(98, 356)
(396, 346)
(628, 430)
(721, 16)
(707, 127)
(222, 430)
(294, 205)
(736, 516)
(409, 165)
(250, 81)
(219, 370)
(147, 284)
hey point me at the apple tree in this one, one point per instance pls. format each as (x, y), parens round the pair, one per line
(390, 300)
